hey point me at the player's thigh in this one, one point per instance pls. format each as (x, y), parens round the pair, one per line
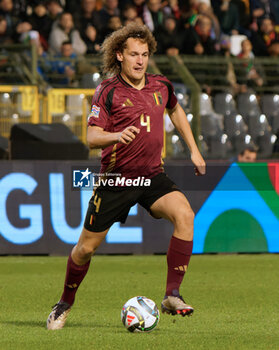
(107, 207)
(174, 207)
(89, 241)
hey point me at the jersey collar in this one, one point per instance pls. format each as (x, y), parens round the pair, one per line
(124, 82)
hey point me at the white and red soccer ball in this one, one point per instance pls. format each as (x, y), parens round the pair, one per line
(140, 314)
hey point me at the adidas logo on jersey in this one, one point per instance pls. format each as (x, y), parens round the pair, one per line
(127, 103)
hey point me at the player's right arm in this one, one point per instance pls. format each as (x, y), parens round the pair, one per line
(99, 120)
(97, 137)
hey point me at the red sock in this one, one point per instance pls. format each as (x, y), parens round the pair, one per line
(178, 257)
(74, 276)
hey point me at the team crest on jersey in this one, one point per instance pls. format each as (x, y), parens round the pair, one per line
(158, 98)
(95, 111)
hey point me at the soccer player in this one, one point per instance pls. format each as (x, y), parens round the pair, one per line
(126, 121)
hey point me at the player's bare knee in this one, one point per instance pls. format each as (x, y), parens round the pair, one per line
(86, 250)
(185, 216)
(190, 216)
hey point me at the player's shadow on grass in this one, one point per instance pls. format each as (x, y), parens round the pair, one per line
(91, 325)
(42, 324)
(109, 328)
(25, 323)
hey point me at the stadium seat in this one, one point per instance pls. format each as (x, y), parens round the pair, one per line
(266, 144)
(275, 125)
(181, 151)
(224, 103)
(183, 96)
(179, 148)
(90, 80)
(204, 148)
(205, 104)
(258, 125)
(220, 147)
(247, 105)
(270, 107)
(212, 125)
(235, 125)
(239, 142)
(275, 151)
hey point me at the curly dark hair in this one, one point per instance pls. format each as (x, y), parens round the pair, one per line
(116, 42)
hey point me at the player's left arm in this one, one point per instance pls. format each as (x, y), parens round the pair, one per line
(179, 119)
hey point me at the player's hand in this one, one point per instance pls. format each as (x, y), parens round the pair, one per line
(128, 135)
(199, 163)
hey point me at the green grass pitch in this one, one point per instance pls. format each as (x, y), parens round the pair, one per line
(236, 300)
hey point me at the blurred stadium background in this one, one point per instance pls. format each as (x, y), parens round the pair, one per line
(42, 124)
(43, 116)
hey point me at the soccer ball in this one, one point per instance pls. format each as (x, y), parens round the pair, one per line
(140, 314)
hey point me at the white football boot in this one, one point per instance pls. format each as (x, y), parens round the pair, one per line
(58, 315)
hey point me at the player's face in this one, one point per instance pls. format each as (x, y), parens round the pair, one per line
(134, 60)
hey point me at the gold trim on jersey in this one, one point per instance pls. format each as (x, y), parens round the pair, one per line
(110, 167)
(128, 103)
(112, 159)
(162, 161)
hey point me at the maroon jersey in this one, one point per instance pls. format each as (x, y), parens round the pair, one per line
(117, 105)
